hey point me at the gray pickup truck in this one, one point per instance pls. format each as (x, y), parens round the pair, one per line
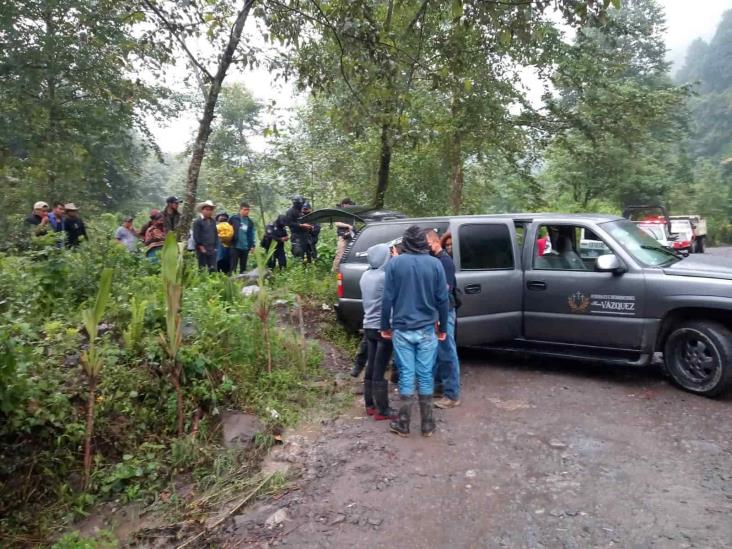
(595, 288)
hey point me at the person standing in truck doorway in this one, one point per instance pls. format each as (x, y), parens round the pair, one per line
(447, 365)
(345, 235)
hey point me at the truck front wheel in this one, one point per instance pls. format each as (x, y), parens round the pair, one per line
(698, 355)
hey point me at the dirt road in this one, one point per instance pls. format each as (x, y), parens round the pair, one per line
(538, 455)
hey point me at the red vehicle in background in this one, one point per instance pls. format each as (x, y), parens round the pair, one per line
(675, 232)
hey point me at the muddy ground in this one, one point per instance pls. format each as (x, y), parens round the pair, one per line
(540, 454)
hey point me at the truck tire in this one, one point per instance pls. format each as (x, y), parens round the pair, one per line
(698, 355)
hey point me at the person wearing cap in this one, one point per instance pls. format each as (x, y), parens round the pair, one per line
(38, 218)
(145, 226)
(299, 232)
(126, 234)
(244, 238)
(171, 215)
(74, 226)
(154, 237)
(205, 237)
(345, 234)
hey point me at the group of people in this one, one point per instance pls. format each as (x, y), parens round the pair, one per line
(410, 299)
(62, 220)
(221, 242)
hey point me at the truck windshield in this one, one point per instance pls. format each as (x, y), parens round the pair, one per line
(640, 245)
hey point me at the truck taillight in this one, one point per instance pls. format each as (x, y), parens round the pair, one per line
(682, 244)
(340, 284)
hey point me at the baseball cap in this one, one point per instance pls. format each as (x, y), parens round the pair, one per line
(71, 207)
(40, 205)
(172, 200)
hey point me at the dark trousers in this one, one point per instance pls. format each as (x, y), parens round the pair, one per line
(278, 257)
(378, 355)
(207, 260)
(238, 256)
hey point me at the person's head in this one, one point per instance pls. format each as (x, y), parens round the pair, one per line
(58, 209)
(40, 209)
(280, 222)
(446, 242)
(157, 221)
(306, 208)
(244, 209)
(415, 241)
(154, 213)
(71, 210)
(127, 222)
(346, 202)
(298, 201)
(222, 216)
(378, 255)
(433, 239)
(172, 203)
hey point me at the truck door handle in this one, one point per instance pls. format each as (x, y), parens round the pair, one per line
(536, 285)
(472, 289)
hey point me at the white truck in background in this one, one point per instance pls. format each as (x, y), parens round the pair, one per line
(698, 230)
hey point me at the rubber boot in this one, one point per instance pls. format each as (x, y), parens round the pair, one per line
(425, 412)
(381, 400)
(401, 425)
(368, 398)
(361, 355)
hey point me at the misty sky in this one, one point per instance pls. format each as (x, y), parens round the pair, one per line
(686, 20)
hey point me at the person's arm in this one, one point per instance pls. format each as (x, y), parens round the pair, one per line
(197, 229)
(387, 300)
(252, 234)
(441, 298)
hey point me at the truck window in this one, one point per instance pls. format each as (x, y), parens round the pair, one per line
(485, 246)
(381, 233)
(568, 248)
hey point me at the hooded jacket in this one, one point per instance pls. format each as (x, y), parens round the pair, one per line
(372, 285)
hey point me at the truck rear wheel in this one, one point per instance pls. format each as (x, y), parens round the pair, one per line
(698, 355)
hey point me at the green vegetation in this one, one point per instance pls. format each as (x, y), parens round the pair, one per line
(155, 407)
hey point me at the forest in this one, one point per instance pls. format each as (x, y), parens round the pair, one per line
(114, 371)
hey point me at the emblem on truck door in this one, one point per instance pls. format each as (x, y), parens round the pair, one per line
(578, 302)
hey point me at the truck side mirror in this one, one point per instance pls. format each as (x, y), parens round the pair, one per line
(609, 263)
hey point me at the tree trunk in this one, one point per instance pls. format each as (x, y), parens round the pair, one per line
(204, 127)
(457, 177)
(384, 164)
(89, 431)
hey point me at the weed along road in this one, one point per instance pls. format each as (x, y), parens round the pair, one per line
(540, 454)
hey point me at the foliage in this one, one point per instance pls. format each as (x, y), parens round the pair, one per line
(136, 452)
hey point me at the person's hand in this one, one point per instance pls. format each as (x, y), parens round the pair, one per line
(44, 220)
(252, 247)
(285, 238)
(307, 226)
(441, 336)
(386, 334)
(201, 249)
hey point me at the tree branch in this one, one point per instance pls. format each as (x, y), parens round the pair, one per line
(171, 29)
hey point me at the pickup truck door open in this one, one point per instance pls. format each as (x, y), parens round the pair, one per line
(567, 301)
(488, 274)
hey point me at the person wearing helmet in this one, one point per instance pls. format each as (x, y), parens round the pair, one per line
(299, 232)
(311, 240)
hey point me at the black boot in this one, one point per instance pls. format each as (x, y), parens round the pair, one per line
(425, 412)
(368, 398)
(361, 356)
(401, 425)
(381, 400)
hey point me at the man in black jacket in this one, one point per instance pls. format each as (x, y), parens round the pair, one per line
(74, 226)
(299, 232)
(206, 237)
(171, 215)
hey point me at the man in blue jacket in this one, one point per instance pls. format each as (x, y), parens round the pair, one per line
(414, 315)
(243, 240)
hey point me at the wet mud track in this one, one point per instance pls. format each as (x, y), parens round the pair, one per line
(540, 454)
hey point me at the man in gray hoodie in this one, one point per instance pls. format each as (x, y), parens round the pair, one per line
(375, 387)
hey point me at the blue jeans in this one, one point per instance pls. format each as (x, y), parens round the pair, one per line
(415, 352)
(447, 365)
